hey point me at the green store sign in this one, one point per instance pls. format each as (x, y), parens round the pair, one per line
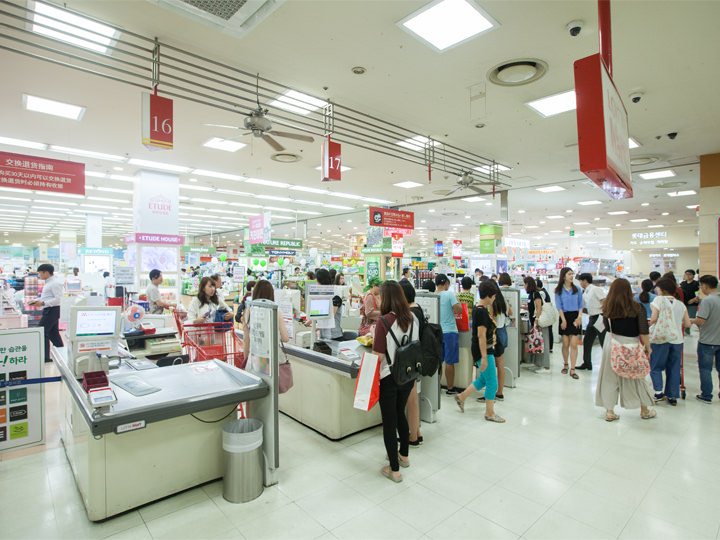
(95, 251)
(198, 249)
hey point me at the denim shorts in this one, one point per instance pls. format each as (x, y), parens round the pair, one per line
(451, 348)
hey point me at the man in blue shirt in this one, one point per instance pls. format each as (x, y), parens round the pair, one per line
(449, 306)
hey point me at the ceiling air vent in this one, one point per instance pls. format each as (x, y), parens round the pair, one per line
(233, 17)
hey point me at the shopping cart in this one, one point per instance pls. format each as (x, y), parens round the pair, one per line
(213, 340)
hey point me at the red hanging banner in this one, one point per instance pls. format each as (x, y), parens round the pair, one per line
(330, 161)
(41, 174)
(157, 122)
(385, 217)
(397, 245)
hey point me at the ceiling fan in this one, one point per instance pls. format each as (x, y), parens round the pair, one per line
(466, 181)
(258, 124)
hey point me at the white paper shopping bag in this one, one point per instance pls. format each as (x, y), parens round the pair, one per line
(367, 386)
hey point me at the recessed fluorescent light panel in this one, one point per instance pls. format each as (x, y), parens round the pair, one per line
(224, 144)
(632, 143)
(555, 104)
(447, 23)
(407, 185)
(159, 165)
(297, 102)
(343, 168)
(657, 174)
(85, 153)
(55, 108)
(618, 213)
(473, 199)
(682, 193)
(51, 21)
(555, 217)
(640, 220)
(262, 182)
(23, 144)
(589, 203)
(416, 143)
(550, 189)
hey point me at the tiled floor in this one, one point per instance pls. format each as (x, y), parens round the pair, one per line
(556, 469)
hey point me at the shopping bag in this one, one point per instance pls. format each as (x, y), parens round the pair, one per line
(665, 329)
(462, 319)
(367, 385)
(628, 360)
(534, 343)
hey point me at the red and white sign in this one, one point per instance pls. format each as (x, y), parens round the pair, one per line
(457, 249)
(260, 229)
(385, 217)
(330, 160)
(397, 245)
(41, 174)
(157, 122)
(147, 238)
(602, 128)
(389, 231)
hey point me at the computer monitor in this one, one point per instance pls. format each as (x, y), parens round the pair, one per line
(95, 322)
(73, 285)
(319, 307)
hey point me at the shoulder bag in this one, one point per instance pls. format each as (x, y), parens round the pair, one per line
(549, 315)
(665, 330)
(629, 361)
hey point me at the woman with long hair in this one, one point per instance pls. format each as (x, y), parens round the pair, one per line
(626, 322)
(413, 403)
(400, 321)
(370, 307)
(569, 303)
(501, 313)
(667, 355)
(206, 303)
(535, 307)
(646, 296)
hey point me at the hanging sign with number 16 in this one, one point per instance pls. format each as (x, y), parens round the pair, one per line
(330, 160)
(157, 122)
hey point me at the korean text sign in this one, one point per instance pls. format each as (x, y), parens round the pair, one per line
(41, 174)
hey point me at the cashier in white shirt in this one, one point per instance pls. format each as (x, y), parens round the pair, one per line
(49, 299)
(592, 299)
(155, 301)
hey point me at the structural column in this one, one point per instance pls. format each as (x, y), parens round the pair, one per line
(709, 213)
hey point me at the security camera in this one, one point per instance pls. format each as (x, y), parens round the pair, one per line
(635, 97)
(672, 135)
(575, 27)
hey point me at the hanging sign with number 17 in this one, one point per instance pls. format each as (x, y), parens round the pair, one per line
(330, 160)
(157, 122)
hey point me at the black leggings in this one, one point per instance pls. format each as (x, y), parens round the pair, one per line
(393, 399)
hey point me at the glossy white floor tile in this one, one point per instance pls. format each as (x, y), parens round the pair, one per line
(556, 469)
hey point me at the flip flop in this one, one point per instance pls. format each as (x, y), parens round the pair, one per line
(648, 415)
(574, 375)
(460, 404)
(497, 419)
(611, 417)
(387, 473)
(404, 462)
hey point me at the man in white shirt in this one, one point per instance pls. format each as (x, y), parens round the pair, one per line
(592, 300)
(49, 299)
(155, 301)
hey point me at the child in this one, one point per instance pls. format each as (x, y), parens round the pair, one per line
(483, 343)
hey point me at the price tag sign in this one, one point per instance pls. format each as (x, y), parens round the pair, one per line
(331, 161)
(397, 245)
(457, 249)
(157, 122)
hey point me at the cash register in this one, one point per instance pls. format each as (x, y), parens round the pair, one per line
(94, 333)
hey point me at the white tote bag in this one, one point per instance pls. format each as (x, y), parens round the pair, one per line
(367, 385)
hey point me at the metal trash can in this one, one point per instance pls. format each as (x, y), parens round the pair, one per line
(244, 462)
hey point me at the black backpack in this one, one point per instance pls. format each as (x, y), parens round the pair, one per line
(431, 340)
(407, 364)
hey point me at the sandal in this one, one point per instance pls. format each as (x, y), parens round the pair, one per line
(573, 374)
(652, 413)
(404, 461)
(460, 404)
(610, 417)
(564, 370)
(392, 475)
(496, 418)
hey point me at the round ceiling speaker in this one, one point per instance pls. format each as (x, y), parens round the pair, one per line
(517, 72)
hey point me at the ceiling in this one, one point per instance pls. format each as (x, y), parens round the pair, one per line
(666, 49)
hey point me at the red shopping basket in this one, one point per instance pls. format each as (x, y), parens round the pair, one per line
(214, 340)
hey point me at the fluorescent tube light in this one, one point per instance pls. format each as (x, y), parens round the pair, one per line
(550, 189)
(114, 190)
(95, 174)
(555, 217)
(416, 143)
(581, 223)
(274, 198)
(617, 213)
(473, 199)
(122, 177)
(261, 182)
(85, 153)
(224, 144)
(343, 168)
(487, 169)
(58, 29)
(448, 23)
(682, 193)
(209, 201)
(309, 189)
(639, 220)
(337, 206)
(407, 185)
(380, 201)
(692, 206)
(532, 226)
(160, 166)
(655, 226)
(215, 174)
(55, 108)
(555, 104)
(23, 144)
(297, 102)
(657, 174)
(196, 188)
(345, 195)
(245, 205)
(589, 203)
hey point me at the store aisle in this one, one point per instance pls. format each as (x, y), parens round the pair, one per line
(556, 469)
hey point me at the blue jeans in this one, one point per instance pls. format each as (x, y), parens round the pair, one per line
(666, 357)
(706, 355)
